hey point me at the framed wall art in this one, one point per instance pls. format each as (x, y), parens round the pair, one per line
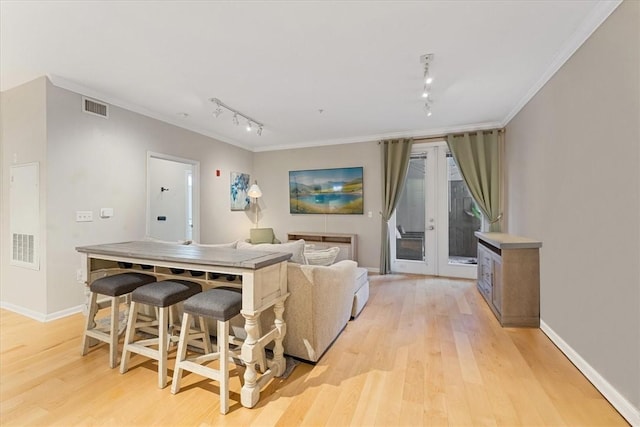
(238, 191)
(326, 191)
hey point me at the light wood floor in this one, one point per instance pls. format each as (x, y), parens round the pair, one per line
(425, 351)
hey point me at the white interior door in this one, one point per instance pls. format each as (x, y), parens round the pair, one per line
(172, 198)
(433, 225)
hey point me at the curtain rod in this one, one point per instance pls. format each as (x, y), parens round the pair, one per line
(444, 137)
(437, 138)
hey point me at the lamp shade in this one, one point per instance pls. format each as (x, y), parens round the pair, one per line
(254, 191)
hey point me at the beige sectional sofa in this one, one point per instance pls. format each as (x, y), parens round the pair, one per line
(321, 300)
(318, 308)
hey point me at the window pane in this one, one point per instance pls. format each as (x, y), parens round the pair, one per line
(410, 213)
(464, 218)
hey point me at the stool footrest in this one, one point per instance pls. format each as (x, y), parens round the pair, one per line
(204, 371)
(144, 351)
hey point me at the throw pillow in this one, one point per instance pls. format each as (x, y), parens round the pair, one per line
(321, 256)
(295, 248)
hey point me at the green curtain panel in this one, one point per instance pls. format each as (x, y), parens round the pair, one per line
(395, 163)
(478, 158)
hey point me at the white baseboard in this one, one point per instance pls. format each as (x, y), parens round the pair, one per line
(626, 409)
(40, 317)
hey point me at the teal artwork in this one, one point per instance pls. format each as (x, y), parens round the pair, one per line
(239, 187)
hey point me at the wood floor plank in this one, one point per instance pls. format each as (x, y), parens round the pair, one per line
(424, 351)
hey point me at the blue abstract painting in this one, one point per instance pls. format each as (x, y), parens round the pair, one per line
(239, 187)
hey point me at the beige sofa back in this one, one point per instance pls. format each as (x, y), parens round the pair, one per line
(318, 307)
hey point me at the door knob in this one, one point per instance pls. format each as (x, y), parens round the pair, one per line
(431, 227)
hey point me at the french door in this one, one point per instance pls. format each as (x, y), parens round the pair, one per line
(433, 225)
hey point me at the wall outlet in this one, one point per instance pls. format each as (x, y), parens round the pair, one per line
(84, 216)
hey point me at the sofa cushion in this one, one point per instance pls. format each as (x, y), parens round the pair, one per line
(231, 245)
(295, 248)
(361, 295)
(321, 256)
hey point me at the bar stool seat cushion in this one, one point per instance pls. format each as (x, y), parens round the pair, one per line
(218, 303)
(165, 293)
(120, 284)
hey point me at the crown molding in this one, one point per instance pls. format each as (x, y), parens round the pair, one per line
(92, 93)
(598, 15)
(377, 137)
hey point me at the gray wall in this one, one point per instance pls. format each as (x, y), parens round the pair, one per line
(573, 181)
(272, 171)
(23, 136)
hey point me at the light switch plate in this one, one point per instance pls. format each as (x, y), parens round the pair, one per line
(106, 212)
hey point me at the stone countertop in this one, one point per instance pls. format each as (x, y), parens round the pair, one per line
(188, 254)
(508, 241)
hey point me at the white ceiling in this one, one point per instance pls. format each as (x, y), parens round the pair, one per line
(281, 62)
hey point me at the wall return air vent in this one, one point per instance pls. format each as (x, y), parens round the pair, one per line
(97, 108)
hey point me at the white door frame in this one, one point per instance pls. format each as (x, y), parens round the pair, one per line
(195, 188)
(430, 264)
(437, 208)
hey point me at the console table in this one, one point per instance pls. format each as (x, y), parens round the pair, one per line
(348, 243)
(509, 277)
(263, 281)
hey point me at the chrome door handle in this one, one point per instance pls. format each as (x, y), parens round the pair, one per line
(431, 227)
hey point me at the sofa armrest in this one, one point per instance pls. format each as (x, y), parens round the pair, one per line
(318, 307)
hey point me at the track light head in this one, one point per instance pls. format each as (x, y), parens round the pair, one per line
(428, 79)
(251, 123)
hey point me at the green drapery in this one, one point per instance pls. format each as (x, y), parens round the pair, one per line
(478, 158)
(395, 162)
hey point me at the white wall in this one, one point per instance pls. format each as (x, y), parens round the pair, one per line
(90, 163)
(23, 136)
(272, 172)
(573, 181)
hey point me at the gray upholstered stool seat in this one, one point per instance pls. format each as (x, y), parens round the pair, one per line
(220, 304)
(115, 287)
(161, 295)
(166, 292)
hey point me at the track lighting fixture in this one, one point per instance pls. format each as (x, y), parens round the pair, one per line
(236, 116)
(428, 79)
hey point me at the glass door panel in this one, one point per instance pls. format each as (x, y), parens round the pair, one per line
(464, 218)
(410, 213)
(413, 247)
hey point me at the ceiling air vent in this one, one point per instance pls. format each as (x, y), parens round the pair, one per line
(94, 107)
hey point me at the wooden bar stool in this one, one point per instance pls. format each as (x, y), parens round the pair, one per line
(160, 295)
(220, 304)
(114, 287)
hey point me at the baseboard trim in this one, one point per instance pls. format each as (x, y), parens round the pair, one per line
(39, 316)
(622, 405)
